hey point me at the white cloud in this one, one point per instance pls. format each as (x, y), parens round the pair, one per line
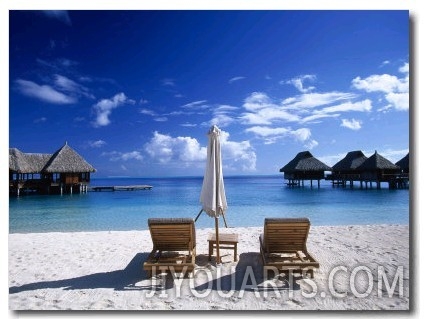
(103, 108)
(405, 68)
(196, 105)
(268, 116)
(311, 144)
(61, 90)
(57, 64)
(97, 144)
(257, 101)
(400, 101)
(395, 89)
(40, 120)
(237, 155)
(315, 117)
(156, 117)
(265, 131)
(386, 62)
(222, 116)
(225, 108)
(188, 125)
(384, 82)
(91, 79)
(221, 119)
(264, 115)
(263, 111)
(352, 124)
(254, 119)
(168, 82)
(134, 155)
(237, 78)
(312, 100)
(123, 156)
(148, 112)
(177, 113)
(298, 82)
(43, 92)
(270, 135)
(67, 85)
(60, 15)
(182, 150)
(360, 106)
(302, 134)
(380, 83)
(186, 151)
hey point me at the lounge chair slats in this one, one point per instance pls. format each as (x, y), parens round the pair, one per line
(173, 245)
(283, 245)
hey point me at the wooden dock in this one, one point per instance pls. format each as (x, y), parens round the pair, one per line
(119, 188)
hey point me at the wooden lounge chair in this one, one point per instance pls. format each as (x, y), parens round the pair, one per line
(173, 245)
(284, 245)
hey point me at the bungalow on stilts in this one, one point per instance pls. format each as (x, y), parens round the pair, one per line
(63, 171)
(403, 179)
(304, 167)
(346, 169)
(378, 169)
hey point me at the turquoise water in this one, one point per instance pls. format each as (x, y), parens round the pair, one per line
(250, 200)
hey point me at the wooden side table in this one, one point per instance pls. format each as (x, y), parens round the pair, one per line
(226, 241)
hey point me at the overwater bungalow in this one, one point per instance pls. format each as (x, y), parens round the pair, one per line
(346, 169)
(402, 181)
(63, 171)
(404, 164)
(304, 167)
(378, 169)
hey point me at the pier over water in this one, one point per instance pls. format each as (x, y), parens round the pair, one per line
(119, 188)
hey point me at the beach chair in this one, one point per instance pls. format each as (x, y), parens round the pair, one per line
(283, 245)
(173, 246)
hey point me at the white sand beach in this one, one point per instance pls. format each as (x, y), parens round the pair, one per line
(361, 268)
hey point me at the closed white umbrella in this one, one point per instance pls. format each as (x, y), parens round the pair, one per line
(212, 196)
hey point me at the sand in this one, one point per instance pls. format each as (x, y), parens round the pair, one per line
(361, 268)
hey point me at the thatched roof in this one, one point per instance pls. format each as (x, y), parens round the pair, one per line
(27, 162)
(404, 163)
(17, 161)
(352, 160)
(377, 162)
(304, 161)
(65, 160)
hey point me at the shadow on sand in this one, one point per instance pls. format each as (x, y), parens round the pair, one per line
(248, 275)
(124, 279)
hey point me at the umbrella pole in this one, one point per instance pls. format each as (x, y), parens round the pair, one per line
(199, 214)
(224, 220)
(217, 240)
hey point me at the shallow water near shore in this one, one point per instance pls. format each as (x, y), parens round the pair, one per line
(250, 200)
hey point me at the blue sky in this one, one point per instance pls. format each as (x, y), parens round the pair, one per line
(135, 92)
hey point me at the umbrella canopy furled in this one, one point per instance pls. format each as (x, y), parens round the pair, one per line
(212, 196)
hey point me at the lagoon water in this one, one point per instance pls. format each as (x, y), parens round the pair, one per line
(250, 200)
